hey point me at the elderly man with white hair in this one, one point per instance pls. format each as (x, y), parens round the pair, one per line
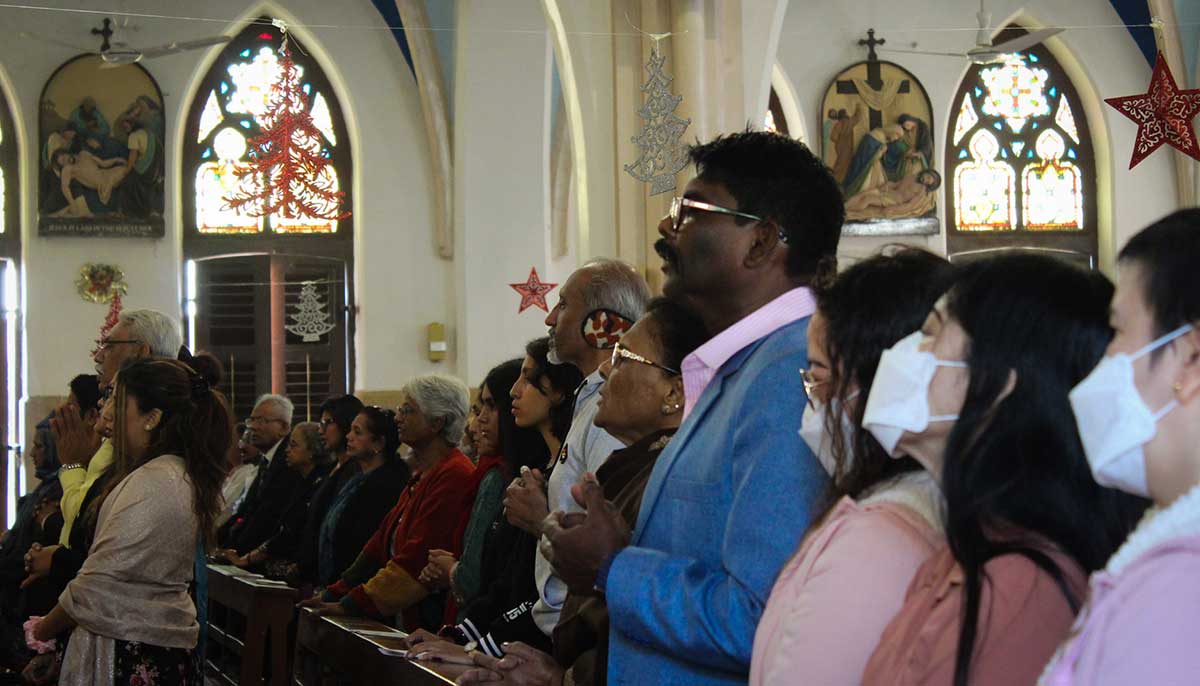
(383, 581)
(274, 487)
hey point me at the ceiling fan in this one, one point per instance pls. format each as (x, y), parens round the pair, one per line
(116, 53)
(984, 51)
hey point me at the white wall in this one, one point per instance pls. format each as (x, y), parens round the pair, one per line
(819, 39)
(401, 284)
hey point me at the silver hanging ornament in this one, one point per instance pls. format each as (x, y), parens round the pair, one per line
(662, 153)
(311, 320)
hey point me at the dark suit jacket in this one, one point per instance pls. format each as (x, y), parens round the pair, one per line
(366, 509)
(266, 503)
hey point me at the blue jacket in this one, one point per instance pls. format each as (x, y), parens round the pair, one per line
(725, 507)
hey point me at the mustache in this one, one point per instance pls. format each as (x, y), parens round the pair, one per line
(666, 251)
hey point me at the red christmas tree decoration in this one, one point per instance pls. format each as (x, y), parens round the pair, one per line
(1164, 114)
(288, 173)
(110, 321)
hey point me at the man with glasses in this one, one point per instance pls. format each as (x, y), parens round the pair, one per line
(274, 486)
(730, 497)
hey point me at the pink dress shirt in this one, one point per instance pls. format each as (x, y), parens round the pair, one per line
(833, 600)
(702, 364)
(1023, 616)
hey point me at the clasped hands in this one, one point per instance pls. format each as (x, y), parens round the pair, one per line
(75, 442)
(577, 544)
(37, 563)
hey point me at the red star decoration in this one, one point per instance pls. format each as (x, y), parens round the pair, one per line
(533, 291)
(1163, 114)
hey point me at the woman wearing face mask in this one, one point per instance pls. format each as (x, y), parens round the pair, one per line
(883, 516)
(1138, 414)
(979, 398)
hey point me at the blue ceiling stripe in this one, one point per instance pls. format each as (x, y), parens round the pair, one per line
(1138, 12)
(391, 15)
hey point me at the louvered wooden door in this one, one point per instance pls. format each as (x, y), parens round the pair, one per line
(245, 306)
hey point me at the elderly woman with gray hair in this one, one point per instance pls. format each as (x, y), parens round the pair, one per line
(383, 581)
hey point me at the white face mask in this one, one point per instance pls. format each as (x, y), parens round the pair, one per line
(899, 397)
(1114, 422)
(812, 430)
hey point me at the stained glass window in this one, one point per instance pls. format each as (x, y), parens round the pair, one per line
(1020, 162)
(229, 111)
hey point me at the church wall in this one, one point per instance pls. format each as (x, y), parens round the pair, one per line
(819, 39)
(401, 284)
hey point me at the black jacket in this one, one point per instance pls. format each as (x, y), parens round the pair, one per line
(363, 513)
(266, 503)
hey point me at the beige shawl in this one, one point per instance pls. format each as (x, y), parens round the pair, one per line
(134, 584)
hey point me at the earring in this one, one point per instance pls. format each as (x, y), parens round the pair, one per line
(1178, 387)
(149, 428)
(670, 409)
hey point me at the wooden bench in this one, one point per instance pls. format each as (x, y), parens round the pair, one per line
(264, 615)
(323, 646)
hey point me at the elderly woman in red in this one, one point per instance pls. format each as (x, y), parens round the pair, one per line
(383, 581)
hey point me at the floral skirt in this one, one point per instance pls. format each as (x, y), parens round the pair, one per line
(142, 664)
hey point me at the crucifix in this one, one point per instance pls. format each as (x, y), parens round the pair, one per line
(874, 77)
(104, 33)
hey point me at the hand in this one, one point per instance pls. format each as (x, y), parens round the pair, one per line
(522, 665)
(576, 547)
(329, 610)
(525, 501)
(441, 651)
(314, 601)
(37, 563)
(42, 669)
(438, 573)
(93, 144)
(75, 442)
(422, 636)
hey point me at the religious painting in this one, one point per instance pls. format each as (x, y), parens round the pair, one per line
(877, 138)
(100, 152)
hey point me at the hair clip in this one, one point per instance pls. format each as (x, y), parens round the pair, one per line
(200, 387)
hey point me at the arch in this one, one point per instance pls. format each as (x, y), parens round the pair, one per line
(784, 93)
(245, 277)
(13, 216)
(1019, 136)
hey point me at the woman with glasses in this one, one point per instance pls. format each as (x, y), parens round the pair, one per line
(1138, 414)
(363, 502)
(641, 404)
(881, 516)
(979, 397)
(383, 580)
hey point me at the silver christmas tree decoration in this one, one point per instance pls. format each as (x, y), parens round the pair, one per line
(662, 155)
(311, 320)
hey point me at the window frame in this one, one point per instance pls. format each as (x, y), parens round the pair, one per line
(1085, 241)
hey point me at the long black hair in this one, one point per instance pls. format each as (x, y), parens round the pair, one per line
(1016, 464)
(520, 447)
(564, 378)
(868, 308)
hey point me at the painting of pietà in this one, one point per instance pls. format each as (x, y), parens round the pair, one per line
(877, 138)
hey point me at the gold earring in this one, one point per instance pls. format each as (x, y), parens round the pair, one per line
(1178, 387)
(148, 427)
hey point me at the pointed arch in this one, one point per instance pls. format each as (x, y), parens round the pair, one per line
(1021, 159)
(245, 276)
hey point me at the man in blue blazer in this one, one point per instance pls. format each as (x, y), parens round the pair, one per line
(731, 496)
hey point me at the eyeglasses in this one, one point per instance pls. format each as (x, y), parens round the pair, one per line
(106, 343)
(252, 421)
(621, 353)
(325, 423)
(678, 218)
(810, 384)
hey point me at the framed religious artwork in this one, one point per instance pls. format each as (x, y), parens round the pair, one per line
(877, 138)
(100, 151)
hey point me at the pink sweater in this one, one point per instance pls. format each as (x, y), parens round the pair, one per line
(833, 599)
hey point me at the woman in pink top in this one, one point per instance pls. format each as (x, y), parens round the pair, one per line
(979, 398)
(1139, 417)
(833, 599)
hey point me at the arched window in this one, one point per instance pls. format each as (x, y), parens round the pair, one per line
(775, 120)
(12, 477)
(1020, 162)
(251, 280)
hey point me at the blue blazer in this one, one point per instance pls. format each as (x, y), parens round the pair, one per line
(724, 509)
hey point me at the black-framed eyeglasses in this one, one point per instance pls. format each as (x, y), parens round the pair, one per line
(810, 384)
(325, 423)
(622, 353)
(106, 343)
(678, 215)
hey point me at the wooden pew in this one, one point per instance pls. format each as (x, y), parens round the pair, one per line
(321, 644)
(264, 615)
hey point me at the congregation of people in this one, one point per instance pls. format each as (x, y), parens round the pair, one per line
(908, 472)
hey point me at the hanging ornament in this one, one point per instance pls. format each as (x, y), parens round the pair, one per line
(533, 292)
(289, 172)
(110, 320)
(311, 320)
(662, 154)
(1164, 114)
(100, 283)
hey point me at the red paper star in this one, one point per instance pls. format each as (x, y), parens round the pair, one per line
(1163, 114)
(533, 291)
